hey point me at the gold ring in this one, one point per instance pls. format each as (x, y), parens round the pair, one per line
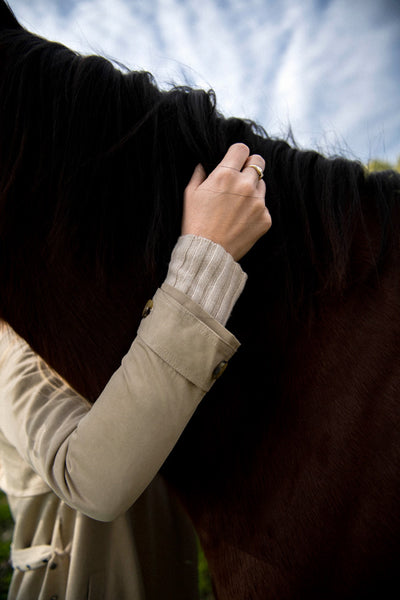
(259, 170)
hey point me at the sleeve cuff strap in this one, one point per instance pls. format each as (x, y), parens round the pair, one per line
(200, 345)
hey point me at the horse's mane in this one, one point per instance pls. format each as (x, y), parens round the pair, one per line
(93, 165)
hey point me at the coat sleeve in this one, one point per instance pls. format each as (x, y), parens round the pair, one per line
(100, 458)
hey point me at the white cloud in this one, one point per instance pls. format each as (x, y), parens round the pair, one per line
(329, 71)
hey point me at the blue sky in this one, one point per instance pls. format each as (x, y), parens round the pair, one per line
(330, 69)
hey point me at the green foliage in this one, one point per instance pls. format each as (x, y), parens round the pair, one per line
(205, 586)
(382, 165)
(6, 526)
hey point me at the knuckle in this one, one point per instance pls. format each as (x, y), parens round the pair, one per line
(247, 187)
(267, 220)
(262, 186)
(259, 204)
(224, 176)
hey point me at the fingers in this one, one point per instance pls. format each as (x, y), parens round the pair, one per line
(235, 157)
(238, 159)
(199, 175)
(250, 167)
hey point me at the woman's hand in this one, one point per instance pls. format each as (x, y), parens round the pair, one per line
(228, 206)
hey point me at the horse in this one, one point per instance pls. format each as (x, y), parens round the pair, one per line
(289, 469)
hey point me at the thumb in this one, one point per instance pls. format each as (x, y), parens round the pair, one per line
(199, 175)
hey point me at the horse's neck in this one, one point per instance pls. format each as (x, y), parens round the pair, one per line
(283, 462)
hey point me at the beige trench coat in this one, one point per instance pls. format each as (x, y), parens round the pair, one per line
(87, 522)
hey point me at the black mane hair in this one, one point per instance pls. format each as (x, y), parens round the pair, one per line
(93, 165)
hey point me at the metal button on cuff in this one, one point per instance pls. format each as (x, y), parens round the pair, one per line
(219, 369)
(147, 309)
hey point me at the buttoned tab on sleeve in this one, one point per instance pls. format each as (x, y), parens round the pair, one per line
(204, 342)
(100, 458)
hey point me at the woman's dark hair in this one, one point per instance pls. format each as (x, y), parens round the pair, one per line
(93, 166)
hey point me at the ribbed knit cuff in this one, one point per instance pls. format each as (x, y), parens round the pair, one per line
(206, 273)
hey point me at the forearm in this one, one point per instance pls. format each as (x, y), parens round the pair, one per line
(99, 459)
(118, 448)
